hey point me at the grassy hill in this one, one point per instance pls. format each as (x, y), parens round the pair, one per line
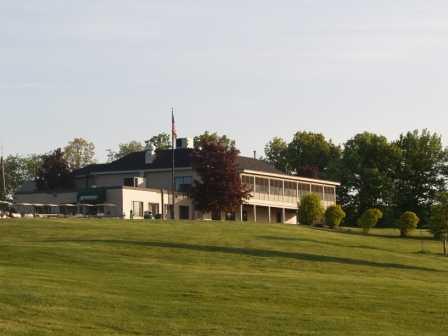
(83, 277)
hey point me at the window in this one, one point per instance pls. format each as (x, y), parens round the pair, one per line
(137, 209)
(290, 192)
(276, 190)
(262, 188)
(248, 181)
(154, 208)
(230, 216)
(130, 182)
(318, 190)
(304, 189)
(330, 194)
(168, 211)
(216, 215)
(184, 212)
(183, 183)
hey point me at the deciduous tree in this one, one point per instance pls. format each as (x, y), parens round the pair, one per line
(367, 172)
(276, 152)
(311, 153)
(54, 172)
(422, 172)
(219, 187)
(79, 153)
(161, 141)
(123, 150)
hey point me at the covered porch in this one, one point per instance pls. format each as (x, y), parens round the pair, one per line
(268, 214)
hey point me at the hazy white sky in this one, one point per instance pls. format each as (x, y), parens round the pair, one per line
(109, 70)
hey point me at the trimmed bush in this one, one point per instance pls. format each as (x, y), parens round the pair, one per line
(407, 223)
(369, 219)
(334, 216)
(310, 210)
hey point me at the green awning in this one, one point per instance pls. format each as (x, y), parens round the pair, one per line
(92, 196)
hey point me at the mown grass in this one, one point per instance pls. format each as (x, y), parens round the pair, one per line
(104, 277)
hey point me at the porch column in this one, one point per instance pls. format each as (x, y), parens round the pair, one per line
(241, 213)
(283, 190)
(283, 215)
(269, 214)
(255, 213)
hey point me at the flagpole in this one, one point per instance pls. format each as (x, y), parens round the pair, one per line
(2, 163)
(173, 181)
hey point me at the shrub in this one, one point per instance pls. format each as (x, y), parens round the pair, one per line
(310, 210)
(408, 222)
(369, 219)
(334, 216)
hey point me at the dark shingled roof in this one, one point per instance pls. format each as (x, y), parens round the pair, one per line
(136, 161)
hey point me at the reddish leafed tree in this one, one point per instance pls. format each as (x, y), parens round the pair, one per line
(219, 187)
(54, 172)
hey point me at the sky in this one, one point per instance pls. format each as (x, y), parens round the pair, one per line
(110, 70)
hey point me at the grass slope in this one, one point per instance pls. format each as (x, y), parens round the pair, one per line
(79, 277)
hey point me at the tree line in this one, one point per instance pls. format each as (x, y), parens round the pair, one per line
(405, 174)
(53, 170)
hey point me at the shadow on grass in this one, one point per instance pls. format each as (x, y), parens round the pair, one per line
(251, 252)
(350, 231)
(315, 241)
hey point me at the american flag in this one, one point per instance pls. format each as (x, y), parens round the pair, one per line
(173, 125)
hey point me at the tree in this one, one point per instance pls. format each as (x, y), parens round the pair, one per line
(161, 141)
(334, 216)
(367, 172)
(369, 219)
(310, 210)
(422, 173)
(276, 152)
(18, 170)
(311, 153)
(123, 150)
(219, 187)
(79, 153)
(439, 219)
(407, 223)
(54, 172)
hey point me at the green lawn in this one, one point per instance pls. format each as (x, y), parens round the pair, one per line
(83, 277)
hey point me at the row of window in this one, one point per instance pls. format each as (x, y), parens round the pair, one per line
(286, 191)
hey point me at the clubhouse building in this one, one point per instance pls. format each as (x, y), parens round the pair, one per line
(139, 185)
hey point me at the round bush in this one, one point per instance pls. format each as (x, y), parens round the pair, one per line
(334, 216)
(369, 219)
(408, 222)
(310, 210)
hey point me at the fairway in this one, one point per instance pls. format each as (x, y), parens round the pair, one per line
(111, 277)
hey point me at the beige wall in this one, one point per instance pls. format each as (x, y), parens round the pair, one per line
(104, 180)
(146, 196)
(163, 179)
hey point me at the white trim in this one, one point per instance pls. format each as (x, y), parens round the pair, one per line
(290, 177)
